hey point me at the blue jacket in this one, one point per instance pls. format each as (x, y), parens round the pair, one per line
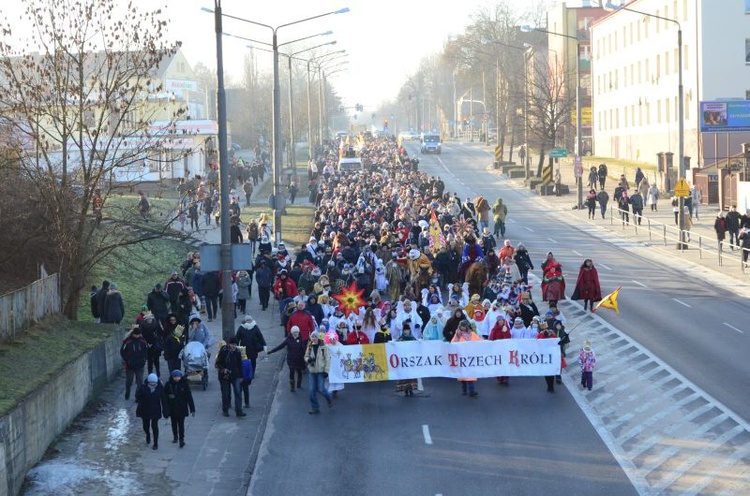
(247, 369)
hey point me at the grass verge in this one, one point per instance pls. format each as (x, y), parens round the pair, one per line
(136, 269)
(38, 354)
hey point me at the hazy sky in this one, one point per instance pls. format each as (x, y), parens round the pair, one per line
(385, 39)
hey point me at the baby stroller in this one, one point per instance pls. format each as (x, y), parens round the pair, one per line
(195, 360)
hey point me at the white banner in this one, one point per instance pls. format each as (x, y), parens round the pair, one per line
(419, 359)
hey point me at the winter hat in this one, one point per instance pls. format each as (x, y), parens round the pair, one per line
(144, 308)
(113, 287)
(176, 373)
(294, 329)
(195, 317)
(152, 378)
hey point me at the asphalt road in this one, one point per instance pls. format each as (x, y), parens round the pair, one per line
(698, 329)
(516, 440)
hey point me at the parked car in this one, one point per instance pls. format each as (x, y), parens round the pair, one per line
(408, 136)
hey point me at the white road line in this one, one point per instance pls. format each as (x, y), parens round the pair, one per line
(510, 221)
(426, 434)
(552, 240)
(528, 229)
(602, 265)
(681, 303)
(579, 254)
(639, 283)
(732, 327)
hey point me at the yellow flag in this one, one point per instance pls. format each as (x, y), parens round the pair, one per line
(609, 301)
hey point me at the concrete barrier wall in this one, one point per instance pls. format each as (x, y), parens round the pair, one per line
(28, 430)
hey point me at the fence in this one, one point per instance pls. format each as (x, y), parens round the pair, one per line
(724, 252)
(22, 308)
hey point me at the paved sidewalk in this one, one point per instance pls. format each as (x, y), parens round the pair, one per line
(657, 231)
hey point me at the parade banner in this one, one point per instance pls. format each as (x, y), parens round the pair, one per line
(419, 359)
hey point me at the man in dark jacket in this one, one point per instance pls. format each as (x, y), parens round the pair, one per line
(134, 353)
(295, 356)
(152, 332)
(173, 287)
(114, 308)
(229, 364)
(249, 335)
(733, 226)
(158, 303)
(100, 297)
(94, 304)
(264, 278)
(152, 404)
(211, 285)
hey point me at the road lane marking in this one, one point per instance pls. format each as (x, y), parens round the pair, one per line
(681, 303)
(510, 221)
(602, 265)
(732, 327)
(552, 240)
(639, 283)
(426, 434)
(528, 229)
(579, 254)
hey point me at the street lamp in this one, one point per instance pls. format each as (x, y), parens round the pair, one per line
(579, 124)
(526, 49)
(278, 203)
(609, 6)
(290, 57)
(321, 95)
(319, 59)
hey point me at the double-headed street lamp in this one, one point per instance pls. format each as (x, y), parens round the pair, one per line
(227, 311)
(609, 6)
(322, 72)
(579, 124)
(290, 57)
(278, 203)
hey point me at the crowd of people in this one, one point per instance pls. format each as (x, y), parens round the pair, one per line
(429, 265)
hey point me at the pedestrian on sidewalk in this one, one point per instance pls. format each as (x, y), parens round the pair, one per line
(248, 372)
(591, 203)
(593, 178)
(318, 362)
(134, 354)
(253, 234)
(248, 189)
(587, 362)
(264, 278)
(652, 198)
(602, 173)
(603, 198)
(720, 226)
(745, 244)
(295, 357)
(624, 204)
(637, 202)
(180, 402)
(173, 345)
(229, 364)
(500, 212)
(676, 209)
(250, 336)
(546, 333)
(152, 405)
(733, 226)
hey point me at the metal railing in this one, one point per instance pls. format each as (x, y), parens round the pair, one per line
(671, 234)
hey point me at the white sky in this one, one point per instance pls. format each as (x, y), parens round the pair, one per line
(385, 39)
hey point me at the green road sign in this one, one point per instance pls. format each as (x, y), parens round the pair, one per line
(558, 153)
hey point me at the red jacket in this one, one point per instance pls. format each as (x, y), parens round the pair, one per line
(289, 285)
(587, 285)
(304, 321)
(500, 331)
(355, 337)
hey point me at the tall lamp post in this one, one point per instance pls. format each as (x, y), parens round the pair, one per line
(277, 158)
(579, 124)
(310, 61)
(609, 6)
(225, 250)
(322, 114)
(526, 48)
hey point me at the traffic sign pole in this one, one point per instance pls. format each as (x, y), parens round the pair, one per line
(578, 171)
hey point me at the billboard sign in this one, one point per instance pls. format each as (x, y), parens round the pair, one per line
(725, 116)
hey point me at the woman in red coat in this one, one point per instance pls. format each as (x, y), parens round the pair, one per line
(553, 281)
(501, 330)
(587, 285)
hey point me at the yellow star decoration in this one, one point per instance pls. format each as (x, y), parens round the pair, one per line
(350, 299)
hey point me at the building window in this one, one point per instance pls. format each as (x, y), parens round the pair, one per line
(617, 117)
(625, 116)
(666, 14)
(639, 72)
(676, 60)
(658, 67)
(676, 116)
(666, 63)
(687, 110)
(657, 20)
(632, 115)
(647, 71)
(685, 58)
(666, 109)
(648, 113)
(640, 113)
(658, 111)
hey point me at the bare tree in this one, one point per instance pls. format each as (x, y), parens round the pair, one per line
(550, 104)
(78, 99)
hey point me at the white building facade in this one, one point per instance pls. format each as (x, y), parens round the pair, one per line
(635, 77)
